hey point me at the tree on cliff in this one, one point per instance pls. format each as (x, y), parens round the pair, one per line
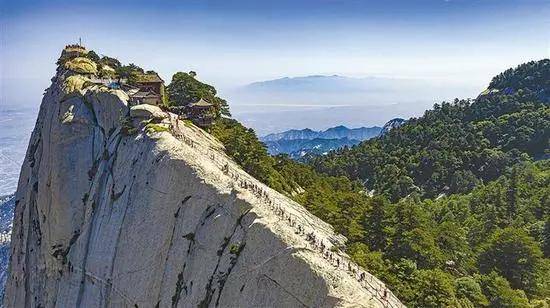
(129, 72)
(185, 89)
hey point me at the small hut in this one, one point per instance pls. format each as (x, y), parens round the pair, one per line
(201, 113)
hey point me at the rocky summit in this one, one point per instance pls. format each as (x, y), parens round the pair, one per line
(129, 206)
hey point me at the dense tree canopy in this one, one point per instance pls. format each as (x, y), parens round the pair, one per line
(513, 254)
(244, 147)
(533, 76)
(457, 145)
(185, 89)
(129, 72)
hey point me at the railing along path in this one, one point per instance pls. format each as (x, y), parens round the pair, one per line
(372, 284)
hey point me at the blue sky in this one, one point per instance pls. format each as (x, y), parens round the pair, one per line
(231, 43)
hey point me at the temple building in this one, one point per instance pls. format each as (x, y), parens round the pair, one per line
(145, 97)
(73, 51)
(201, 113)
(150, 90)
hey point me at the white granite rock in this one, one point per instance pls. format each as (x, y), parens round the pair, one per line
(147, 111)
(106, 219)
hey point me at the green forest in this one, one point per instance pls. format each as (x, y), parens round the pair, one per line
(451, 209)
(458, 145)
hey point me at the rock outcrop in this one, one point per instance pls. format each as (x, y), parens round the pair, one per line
(120, 206)
(391, 124)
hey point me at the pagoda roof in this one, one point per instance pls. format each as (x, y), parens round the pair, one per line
(201, 103)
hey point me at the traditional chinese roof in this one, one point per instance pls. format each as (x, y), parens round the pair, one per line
(201, 103)
(149, 78)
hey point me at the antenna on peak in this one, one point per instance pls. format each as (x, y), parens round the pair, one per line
(79, 41)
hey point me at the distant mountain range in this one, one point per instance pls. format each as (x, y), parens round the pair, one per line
(344, 90)
(343, 85)
(319, 101)
(299, 148)
(361, 133)
(300, 142)
(325, 83)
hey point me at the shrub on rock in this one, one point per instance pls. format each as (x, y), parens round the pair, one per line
(81, 65)
(74, 83)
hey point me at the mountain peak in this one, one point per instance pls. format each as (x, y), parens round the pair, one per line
(391, 124)
(148, 210)
(336, 132)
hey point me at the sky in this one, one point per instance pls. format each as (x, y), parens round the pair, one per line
(455, 45)
(232, 43)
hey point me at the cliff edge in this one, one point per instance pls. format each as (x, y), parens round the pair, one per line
(129, 206)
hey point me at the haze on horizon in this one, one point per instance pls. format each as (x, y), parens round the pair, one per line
(459, 44)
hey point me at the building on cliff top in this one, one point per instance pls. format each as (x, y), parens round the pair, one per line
(75, 50)
(145, 97)
(151, 90)
(201, 113)
(72, 51)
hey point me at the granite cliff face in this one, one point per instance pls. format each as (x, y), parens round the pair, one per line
(120, 206)
(391, 124)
